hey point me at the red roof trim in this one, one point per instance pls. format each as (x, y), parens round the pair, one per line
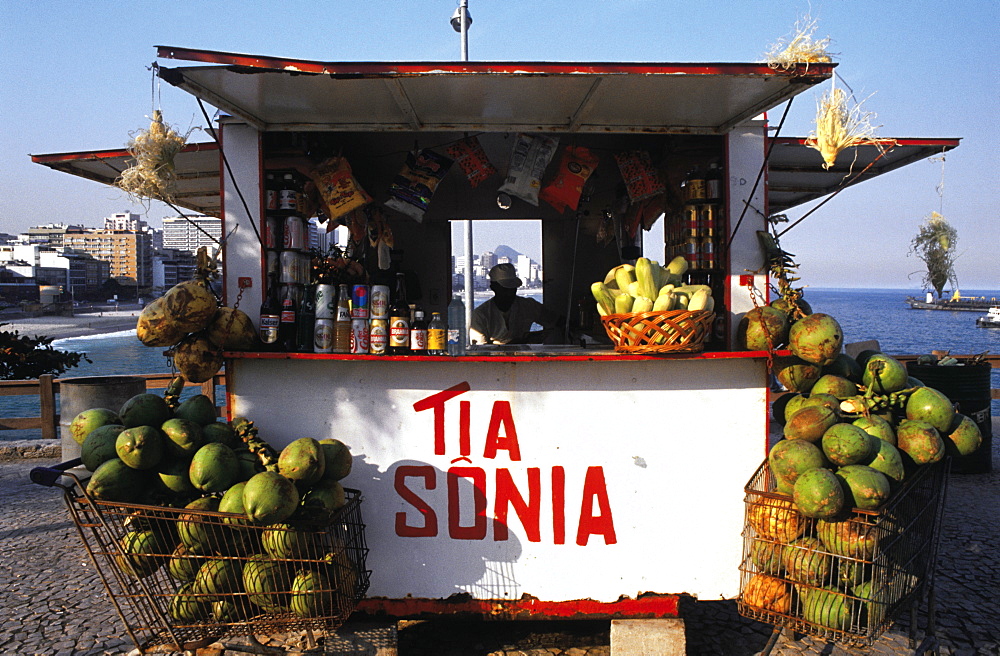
(944, 141)
(108, 154)
(523, 68)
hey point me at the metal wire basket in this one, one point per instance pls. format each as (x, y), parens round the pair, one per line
(184, 578)
(843, 581)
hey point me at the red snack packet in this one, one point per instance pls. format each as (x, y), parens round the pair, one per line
(575, 166)
(471, 158)
(640, 177)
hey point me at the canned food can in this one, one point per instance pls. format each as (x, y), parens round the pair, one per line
(380, 302)
(378, 336)
(690, 221)
(692, 252)
(707, 255)
(323, 336)
(326, 301)
(289, 267)
(295, 233)
(359, 302)
(359, 336)
(708, 220)
(272, 232)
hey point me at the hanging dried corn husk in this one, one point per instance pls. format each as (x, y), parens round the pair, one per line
(839, 126)
(153, 176)
(800, 48)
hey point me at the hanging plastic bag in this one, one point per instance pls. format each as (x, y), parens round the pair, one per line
(641, 180)
(471, 158)
(528, 158)
(338, 188)
(412, 189)
(575, 166)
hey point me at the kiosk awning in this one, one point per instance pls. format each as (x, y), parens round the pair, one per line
(654, 98)
(796, 175)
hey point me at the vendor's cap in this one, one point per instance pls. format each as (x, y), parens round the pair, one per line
(505, 275)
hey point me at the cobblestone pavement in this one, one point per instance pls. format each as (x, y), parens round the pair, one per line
(54, 603)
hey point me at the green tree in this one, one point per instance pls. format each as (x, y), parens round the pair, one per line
(935, 244)
(23, 357)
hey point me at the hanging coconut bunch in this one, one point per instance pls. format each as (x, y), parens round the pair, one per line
(153, 174)
(800, 48)
(188, 318)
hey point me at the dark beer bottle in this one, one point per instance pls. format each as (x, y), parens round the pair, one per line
(288, 326)
(399, 320)
(306, 321)
(270, 316)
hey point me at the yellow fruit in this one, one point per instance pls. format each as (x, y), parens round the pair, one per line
(156, 327)
(769, 593)
(777, 520)
(197, 358)
(191, 305)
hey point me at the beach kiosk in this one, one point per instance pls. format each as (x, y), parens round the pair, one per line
(552, 481)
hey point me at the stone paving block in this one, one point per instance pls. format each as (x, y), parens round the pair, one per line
(642, 637)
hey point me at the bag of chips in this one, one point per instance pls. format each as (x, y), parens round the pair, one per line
(411, 190)
(338, 188)
(471, 158)
(640, 177)
(575, 166)
(528, 158)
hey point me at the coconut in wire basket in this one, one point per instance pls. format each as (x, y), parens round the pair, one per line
(671, 331)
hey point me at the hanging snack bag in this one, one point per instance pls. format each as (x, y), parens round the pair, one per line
(337, 186)
(528, 159)
(640, 177)
(471, 158)
(411, 190)
(575, 166)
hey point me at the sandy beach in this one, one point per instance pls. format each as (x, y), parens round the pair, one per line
(96, 323)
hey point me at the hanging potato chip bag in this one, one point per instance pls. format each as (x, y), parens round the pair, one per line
(640, 177)
(411, 190)
(338, 188)
(471, 158)
(575, 166)
(528, 158)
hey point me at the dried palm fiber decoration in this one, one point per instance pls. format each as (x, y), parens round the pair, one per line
(840, 125)
(800, 48)
(153, 175)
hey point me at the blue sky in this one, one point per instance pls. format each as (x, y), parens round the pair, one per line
(75, 78)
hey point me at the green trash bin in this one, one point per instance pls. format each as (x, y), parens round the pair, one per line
(968, 387)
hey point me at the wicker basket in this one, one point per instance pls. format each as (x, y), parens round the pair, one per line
(674, 331)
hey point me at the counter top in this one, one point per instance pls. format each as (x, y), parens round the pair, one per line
(512, 353)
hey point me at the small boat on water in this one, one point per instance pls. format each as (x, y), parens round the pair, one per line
(956, 302)
(991, 319)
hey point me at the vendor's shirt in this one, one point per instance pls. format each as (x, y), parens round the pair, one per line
(490, 325)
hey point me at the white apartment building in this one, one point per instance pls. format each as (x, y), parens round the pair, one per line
(191, 233)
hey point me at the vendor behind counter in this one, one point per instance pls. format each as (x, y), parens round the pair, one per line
(507, 318)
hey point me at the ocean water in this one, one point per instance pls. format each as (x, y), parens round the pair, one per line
(880, 314)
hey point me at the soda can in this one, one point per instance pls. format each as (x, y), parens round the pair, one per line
(326, 301)
(690, 221)
(273, 266)
(295, 233)
(359, 302)
(323, 336)
(380, 302)
(288, 263)
(378, 337)
(359, 336)
(272, 232)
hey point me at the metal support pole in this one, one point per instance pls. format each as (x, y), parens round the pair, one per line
(463, 16)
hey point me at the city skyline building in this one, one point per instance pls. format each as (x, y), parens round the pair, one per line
(191, 233)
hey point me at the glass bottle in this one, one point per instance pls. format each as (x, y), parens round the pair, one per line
(270, 316)
(457, 339)
(399, 319)
(418, 333)
(713, 183)
(306, 321)
(288, 326)
(342, 321)
(437, 335)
